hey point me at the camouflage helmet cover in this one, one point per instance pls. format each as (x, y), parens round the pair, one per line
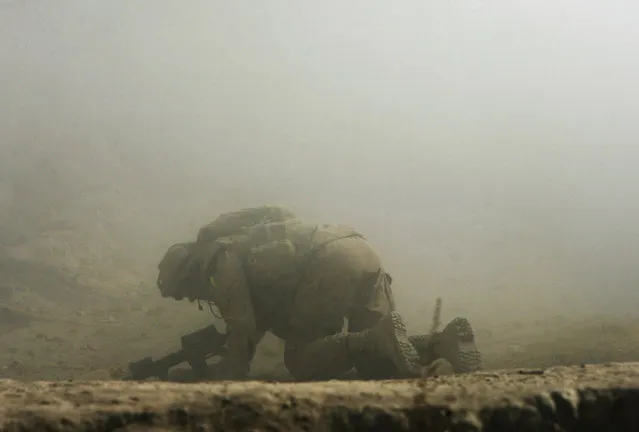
(174, 270)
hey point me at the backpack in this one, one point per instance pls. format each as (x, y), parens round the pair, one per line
(235, 222)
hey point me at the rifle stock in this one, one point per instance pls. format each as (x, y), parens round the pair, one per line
(196, 347)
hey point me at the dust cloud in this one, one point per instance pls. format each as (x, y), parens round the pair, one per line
(487, 149)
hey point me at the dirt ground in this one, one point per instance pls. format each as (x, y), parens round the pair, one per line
(590, 398)
(60, 324)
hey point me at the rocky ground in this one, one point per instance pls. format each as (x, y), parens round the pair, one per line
(590, 398)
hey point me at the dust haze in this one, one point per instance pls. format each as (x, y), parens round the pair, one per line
(488, 149)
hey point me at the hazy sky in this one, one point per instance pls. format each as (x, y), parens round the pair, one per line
(479, 143)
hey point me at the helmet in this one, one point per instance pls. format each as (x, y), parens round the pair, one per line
(174, 270)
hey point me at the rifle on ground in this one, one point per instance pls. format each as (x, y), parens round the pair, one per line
(196, 348)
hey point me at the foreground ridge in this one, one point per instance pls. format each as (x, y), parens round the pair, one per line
(580, 398)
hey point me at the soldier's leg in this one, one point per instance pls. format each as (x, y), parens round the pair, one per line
(380, 352)
(455, 344)
(452, 350)
(322, 359)
(389, 352)
(338, 284)
(315, 348)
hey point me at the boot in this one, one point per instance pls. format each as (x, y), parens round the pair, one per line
(423, 346)
(388, 340)
(455, 344)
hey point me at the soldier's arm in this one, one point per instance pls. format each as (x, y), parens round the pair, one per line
(230, 292)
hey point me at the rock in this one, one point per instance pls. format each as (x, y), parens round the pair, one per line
(589, 398)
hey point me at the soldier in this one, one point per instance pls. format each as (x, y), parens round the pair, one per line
(300, 282)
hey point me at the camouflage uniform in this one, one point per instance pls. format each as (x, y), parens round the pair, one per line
(299, 282)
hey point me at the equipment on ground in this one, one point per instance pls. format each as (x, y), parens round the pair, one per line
(197, 347)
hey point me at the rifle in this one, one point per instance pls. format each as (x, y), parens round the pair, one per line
(196, 348)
